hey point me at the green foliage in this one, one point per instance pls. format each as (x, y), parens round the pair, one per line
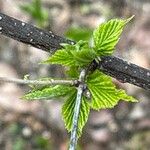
(78, 33)
(42, 143)
(103, 92)
(81, 54)
(35, 10)
(18, 144)
(68, 112)
(72, 72)
(73, 55)
(48, 92)
(106, 36)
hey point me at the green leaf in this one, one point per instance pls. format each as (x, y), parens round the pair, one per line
(72, 72)
(78, 33)
(106, 36)
(73, 55)
(62, 57)
(84, 57)
(104, 93)
(68, 112)
(48, 92)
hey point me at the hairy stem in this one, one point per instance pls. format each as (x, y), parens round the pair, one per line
(74, 136)
(38, 82)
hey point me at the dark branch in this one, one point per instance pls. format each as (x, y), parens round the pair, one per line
(125, 71)
(29, 34)
(113, 66)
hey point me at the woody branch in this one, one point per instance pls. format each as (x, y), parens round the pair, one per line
(47, 41)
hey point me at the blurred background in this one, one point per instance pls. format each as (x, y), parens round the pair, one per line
(37, 125)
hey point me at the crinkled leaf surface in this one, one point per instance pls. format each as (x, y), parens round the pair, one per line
(106, 36)
(68, 112)
(48, 92)
(72, 72)
(104, 93)
(73, 55)
(63, 57)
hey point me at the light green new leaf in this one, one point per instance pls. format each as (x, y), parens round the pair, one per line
(73, 55)
(72, 72)
(48, 92)
(63, 57)
(106, 36)
(104, 93)
(84, 56)
(68, 112)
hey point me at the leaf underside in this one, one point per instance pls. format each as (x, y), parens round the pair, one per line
(48, 92)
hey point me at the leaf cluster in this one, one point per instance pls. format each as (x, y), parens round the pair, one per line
(104, 94)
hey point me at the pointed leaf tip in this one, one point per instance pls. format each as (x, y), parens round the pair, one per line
(106, 36)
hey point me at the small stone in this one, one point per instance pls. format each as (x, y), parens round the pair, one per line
(31, 40)
(0, 28)
(0, 17)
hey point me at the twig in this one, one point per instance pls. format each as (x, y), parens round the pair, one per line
(50, 42)
(74, 136)
(125, 72)
(38, 82)
(29, 34)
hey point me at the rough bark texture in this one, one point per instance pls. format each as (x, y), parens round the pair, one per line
(47, 41)
(125, 71)
(29, 34)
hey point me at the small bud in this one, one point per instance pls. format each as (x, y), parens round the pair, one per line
(87, 94)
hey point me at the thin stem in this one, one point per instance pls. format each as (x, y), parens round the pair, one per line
(74, 136)
(37, 82)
